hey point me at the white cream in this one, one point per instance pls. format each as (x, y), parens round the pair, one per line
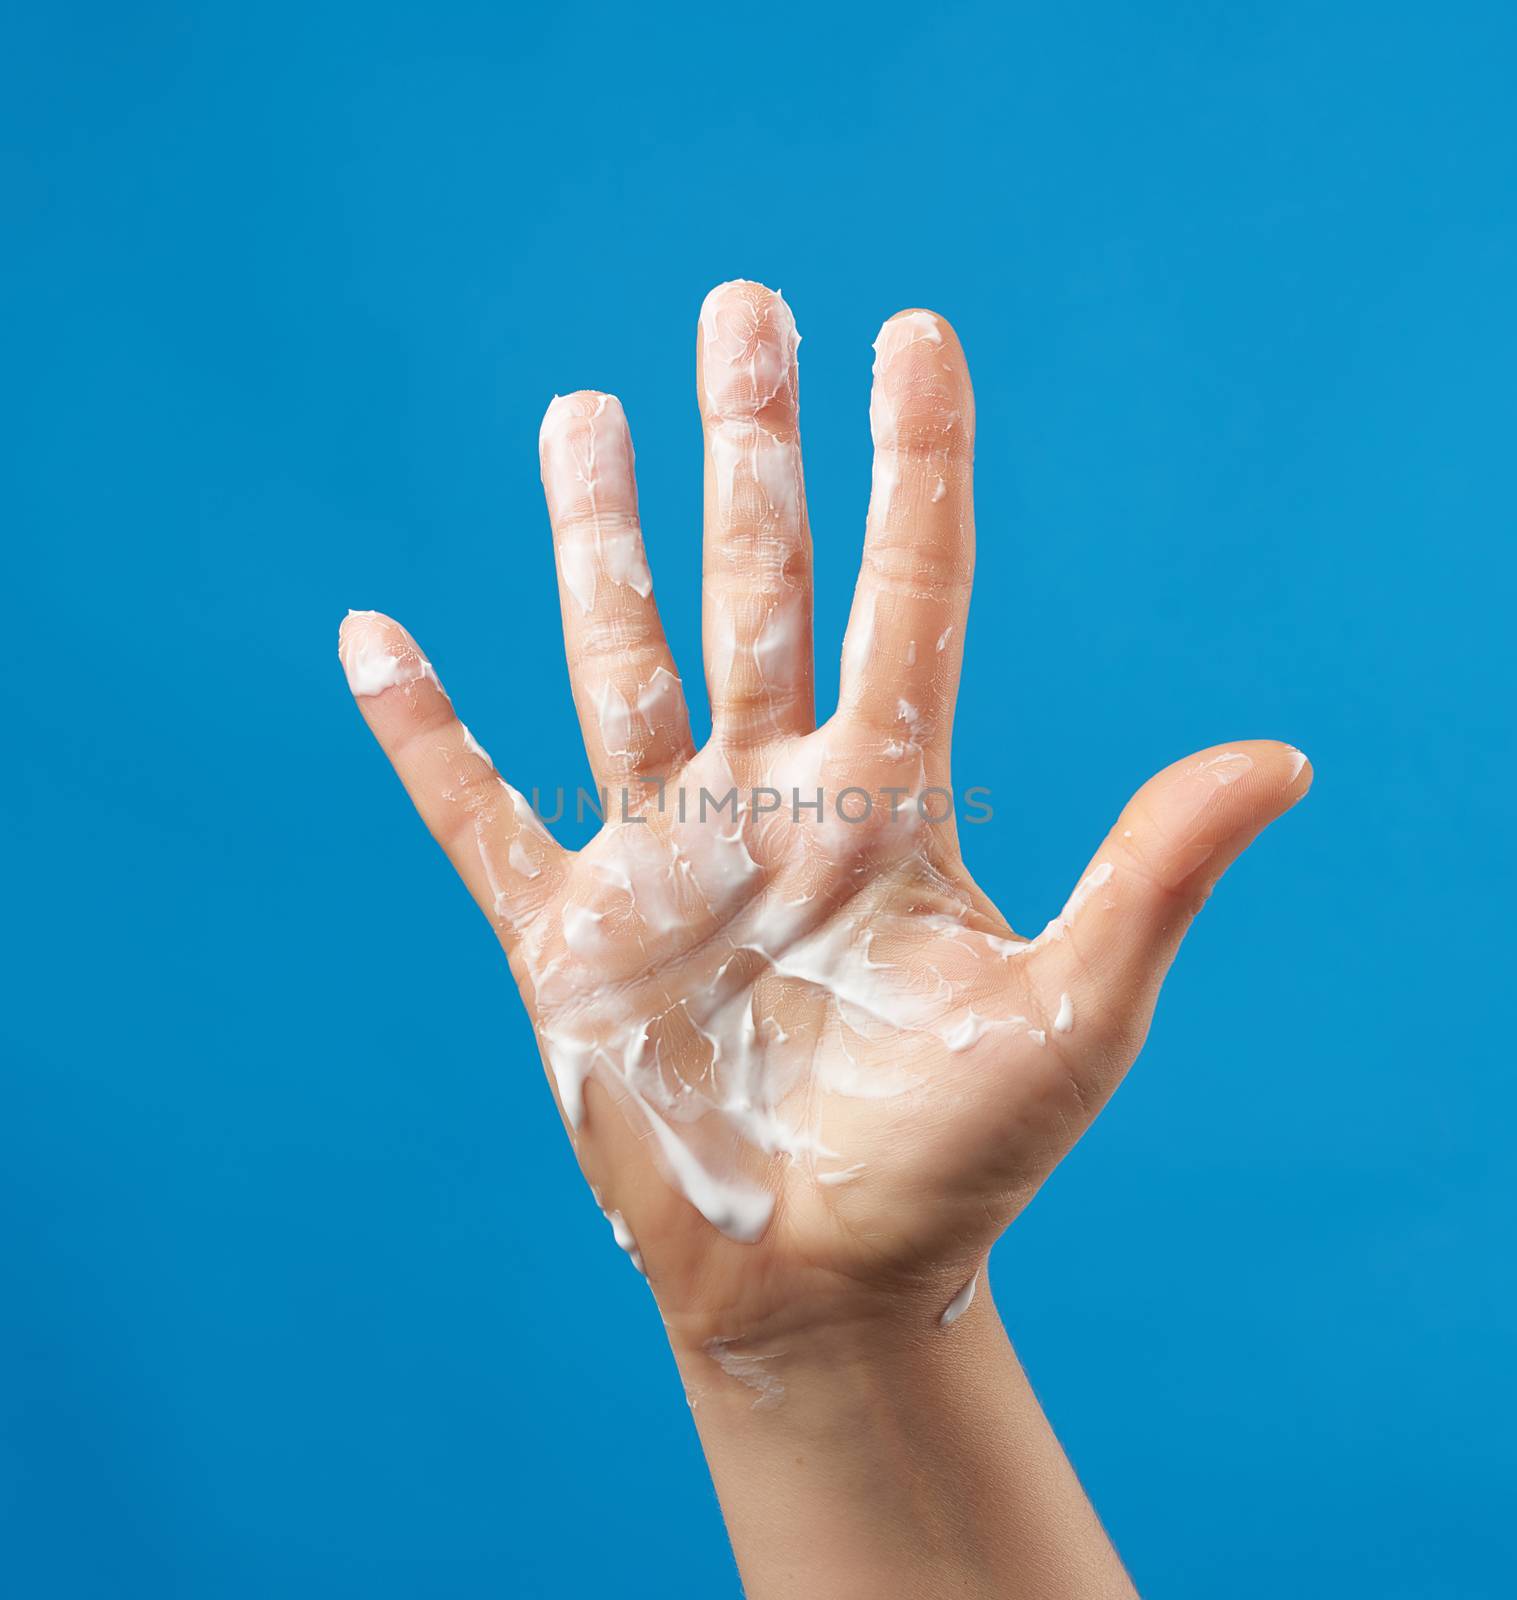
(371, 663)
(615, 717)
(735, 1207)
(960, 1303)
(623, 1236)
(858, 642)
(748, 350)
(662, 696)
(751, 1371)
(474, 746)
(717, 1073)
(911, 327)
(897, 373)
(757, 625)
(1065, 1021)
(1096, 878)
(530, 843)
(963, 1034)
(1225, 768)
(779, 646)
(521, 862)
(586, 455)
(787, 996)
(623, 561)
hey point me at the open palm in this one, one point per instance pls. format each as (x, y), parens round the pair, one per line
(806, 1065)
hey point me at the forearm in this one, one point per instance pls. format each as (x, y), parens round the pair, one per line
(874, 1465)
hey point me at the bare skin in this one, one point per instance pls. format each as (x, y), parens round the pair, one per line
(859, 1445)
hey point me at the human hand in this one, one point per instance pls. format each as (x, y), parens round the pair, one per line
(805, 1063)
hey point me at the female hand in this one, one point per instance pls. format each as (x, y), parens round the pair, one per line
(806, 1065)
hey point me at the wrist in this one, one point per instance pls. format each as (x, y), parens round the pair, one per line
(876, 1454)
(819, 1364)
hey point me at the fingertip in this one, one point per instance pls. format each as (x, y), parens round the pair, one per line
(1262, 763)
(747, 354)
(1278, 774)
(1169, 848)
(917, 323)
(1302, 774)
(922, 394)
(1195, 812)
(1285, 776)
(361, 624)
(358, 627)
(580, 403)
(377, 653)
(745, 294)
(585, 455)
(571, 415)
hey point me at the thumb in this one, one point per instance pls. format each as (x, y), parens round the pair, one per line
(1116, 938)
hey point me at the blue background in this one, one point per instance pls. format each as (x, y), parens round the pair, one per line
(302, 1293)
